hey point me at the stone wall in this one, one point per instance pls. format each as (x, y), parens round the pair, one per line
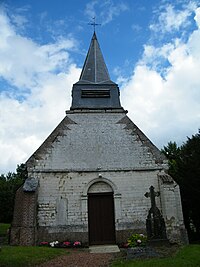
(94, 147)
(62, 201)
(172, 209)
(96, 141)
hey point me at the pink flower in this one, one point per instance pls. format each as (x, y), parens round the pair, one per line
(125, 245)
(77, 243)
(43, 243)
(66, 243)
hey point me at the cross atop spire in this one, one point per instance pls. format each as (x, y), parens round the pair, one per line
(94, 24)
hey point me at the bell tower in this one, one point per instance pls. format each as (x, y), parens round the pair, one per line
(95, 90)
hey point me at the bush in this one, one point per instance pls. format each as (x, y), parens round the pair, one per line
(136, 240)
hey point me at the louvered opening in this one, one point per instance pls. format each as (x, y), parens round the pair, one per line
(89, 93)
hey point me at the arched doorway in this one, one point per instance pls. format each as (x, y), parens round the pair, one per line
(101, 221)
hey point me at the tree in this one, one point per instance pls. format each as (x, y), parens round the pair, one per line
(9, 184)
(172, 152)
(190, 184)
(184, 167)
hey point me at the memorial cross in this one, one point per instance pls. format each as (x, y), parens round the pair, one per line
(152, 194)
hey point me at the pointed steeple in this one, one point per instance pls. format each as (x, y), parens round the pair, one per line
(94, 69)
(95, 90)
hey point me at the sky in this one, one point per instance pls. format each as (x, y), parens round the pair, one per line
(151, 49)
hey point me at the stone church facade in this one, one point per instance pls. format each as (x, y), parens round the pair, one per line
(88, 180)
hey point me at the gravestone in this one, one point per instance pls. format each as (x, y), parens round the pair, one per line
(155, 223)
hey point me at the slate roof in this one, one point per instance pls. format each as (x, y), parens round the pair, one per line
(94, 69)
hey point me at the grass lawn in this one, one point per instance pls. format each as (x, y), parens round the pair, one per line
(188, 256)
(11, 256)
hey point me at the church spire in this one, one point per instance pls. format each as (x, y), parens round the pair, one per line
(95, 90)
(94, 69)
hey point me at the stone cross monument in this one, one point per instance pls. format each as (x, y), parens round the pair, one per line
(155, 223)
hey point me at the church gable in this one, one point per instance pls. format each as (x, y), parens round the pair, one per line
(91, 141)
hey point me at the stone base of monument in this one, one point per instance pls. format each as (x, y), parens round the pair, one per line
(158, 242)
(142, 252)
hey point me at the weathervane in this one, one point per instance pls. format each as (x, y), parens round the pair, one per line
(94, 24)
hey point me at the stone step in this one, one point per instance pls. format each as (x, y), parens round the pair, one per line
(104, 249)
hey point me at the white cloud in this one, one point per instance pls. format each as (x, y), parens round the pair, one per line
(197, 16)
(106, 10)
(90, 9)
(35, 68)
(171, 19)
(167, 108)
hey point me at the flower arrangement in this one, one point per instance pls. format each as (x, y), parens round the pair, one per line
(64, 244)
(44, 244)
(77, 244)
(54, 244)
(124, 245)
(67, 244)
(136, 240)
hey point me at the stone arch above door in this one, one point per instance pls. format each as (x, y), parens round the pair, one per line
(100, 187)
(109, 184)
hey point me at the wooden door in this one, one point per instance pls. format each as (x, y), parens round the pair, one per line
(101, 218)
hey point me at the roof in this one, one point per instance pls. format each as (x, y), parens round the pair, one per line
(94, 69)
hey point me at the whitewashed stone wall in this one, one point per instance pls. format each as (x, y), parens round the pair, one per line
(99, 147)
(96, 141)
(172, 211)
(62, 198)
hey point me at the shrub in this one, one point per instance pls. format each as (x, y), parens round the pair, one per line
(136, 240)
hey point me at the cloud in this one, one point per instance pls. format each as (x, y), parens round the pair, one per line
(90, 9)
(106, 10)
(197, 16)
(136, 27)
(43, 75)
(166, 106)
(171, 19)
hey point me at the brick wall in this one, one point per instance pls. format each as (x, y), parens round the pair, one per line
(23, 230)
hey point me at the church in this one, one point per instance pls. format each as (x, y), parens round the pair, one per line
(96, 178)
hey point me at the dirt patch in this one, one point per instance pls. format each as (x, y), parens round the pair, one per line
(81, 258)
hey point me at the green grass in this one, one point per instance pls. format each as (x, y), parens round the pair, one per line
(188, 256)
(11, 256)
(3, 228)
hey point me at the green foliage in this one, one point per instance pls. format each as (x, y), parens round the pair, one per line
(137, 240)
(27, 256)
(189, 171)
(4, 228)
(184, 167)
(4, 233)
(9, 184)
(188, 256)
(172, 152)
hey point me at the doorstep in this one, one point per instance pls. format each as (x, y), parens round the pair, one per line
(104, 249)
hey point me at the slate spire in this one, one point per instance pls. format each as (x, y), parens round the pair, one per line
(94, 69)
